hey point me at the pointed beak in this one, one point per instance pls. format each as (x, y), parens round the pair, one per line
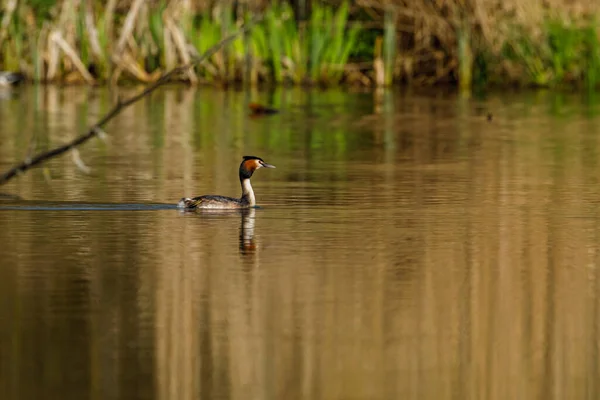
(264, 164)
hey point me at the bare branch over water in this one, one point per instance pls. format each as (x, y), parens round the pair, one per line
(96, 129)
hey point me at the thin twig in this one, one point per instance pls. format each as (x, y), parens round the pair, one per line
(95, 130)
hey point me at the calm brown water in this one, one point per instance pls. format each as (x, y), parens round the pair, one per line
(406, 248)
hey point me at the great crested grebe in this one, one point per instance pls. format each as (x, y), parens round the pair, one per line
(247, 168)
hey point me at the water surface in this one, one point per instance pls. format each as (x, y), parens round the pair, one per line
(406, 247)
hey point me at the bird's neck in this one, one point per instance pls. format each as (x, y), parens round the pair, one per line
(248, 193)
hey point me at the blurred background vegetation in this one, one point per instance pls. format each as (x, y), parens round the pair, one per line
(468, 43)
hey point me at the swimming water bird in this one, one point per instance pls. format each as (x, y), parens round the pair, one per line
(258, 109)
(10, 78)
(247, 168)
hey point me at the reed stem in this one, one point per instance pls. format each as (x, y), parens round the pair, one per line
(465, 56)
(389, 47)
(307, 41)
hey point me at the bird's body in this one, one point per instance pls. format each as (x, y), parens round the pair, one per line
(259, 109)
(247, 168)
(10, 78)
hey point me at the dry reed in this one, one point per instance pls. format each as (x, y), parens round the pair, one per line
(422, 42)
(435, 37)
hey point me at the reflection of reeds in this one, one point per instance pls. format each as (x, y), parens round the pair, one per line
(479, 282)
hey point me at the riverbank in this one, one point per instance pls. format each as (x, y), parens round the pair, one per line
(370, 43)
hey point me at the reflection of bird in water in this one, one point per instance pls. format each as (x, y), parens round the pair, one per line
(247, 244)
(247, 168)
(248, 215)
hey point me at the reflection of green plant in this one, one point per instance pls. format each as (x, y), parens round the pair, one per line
(334, 136)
